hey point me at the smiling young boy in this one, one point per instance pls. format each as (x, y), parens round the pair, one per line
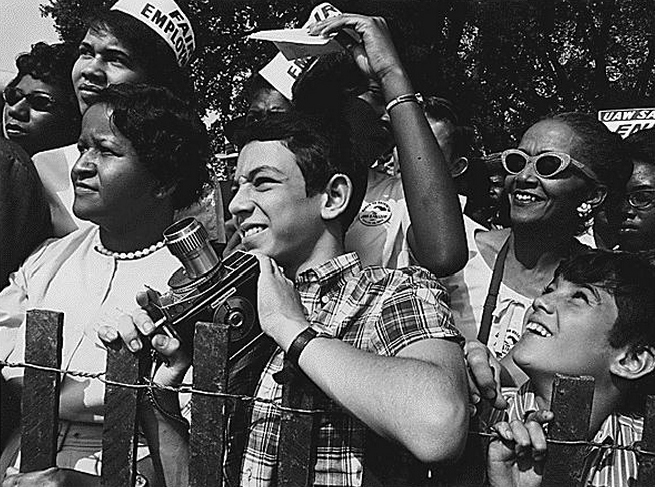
(379, 343)
(596, 318)
(386, 351)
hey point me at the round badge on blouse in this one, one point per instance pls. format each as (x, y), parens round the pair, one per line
(375, 213)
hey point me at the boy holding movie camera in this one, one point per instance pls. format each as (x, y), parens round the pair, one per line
(377, 342)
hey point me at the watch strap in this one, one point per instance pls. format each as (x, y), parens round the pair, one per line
(299, 343)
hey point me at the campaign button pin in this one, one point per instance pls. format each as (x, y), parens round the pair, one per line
(375, 213)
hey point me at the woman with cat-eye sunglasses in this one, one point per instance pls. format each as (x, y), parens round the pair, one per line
(559, 175)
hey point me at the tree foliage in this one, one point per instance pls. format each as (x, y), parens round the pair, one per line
(505, 63)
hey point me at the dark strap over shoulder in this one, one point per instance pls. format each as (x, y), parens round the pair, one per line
(492, 294)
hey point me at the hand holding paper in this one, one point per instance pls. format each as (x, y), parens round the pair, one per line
(283, 71)
(376, 56)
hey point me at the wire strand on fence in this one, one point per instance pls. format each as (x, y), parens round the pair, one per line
(187, 388)
(181, 389)
(603, 446)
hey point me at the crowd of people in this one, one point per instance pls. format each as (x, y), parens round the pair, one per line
(401, 271)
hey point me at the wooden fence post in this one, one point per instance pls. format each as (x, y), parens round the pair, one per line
(40, 397)
(206, 442)
(119, 432)
(646, 476)
(571, 404)
(298, 432)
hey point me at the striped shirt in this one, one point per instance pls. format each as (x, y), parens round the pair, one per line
(374, 309)
(605, 467)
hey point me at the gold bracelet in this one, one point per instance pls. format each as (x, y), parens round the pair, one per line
(407, 97)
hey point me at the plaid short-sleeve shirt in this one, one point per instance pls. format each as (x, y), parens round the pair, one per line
(373, 309)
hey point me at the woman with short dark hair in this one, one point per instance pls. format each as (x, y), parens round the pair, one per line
(122, 45)
(143, 154)
(40, 109)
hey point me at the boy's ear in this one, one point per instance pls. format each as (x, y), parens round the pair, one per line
(634, 363)
(336, 196)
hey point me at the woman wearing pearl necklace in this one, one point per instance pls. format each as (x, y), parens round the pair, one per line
(143, 155)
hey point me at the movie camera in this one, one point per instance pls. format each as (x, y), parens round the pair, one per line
(207, 288)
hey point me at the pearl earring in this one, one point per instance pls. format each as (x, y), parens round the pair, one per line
(584, 210)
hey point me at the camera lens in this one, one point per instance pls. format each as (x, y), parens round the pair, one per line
(188, 241)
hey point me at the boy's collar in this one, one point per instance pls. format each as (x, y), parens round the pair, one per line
(330, 270)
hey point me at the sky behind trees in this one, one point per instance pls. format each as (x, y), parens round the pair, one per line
(21, 25)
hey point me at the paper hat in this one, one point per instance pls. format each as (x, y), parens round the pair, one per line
(167, 20)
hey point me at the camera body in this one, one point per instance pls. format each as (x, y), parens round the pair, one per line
(208, 289)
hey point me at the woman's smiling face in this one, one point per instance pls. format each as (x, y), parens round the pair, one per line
(535, 199)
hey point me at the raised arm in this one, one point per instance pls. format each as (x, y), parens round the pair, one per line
(439, 241)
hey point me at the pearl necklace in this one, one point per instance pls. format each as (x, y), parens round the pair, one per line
(137, 254)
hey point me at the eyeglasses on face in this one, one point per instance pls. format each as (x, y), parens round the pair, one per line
(641, 199)
(41, 102)
(547, 165)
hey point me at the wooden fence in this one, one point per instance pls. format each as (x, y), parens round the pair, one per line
(571, 404)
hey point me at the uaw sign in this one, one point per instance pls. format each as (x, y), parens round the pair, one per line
(626, 121)
(167, 20)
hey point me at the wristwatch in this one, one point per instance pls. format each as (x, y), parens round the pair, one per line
(299, 343)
